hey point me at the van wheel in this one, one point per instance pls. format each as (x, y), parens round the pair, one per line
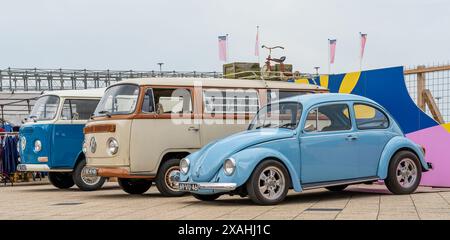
(134, 185)
(404, 173)
(337, 188)
(206, 198)
(61, 180)
(268, 183)
(168, 177)
(85, 182)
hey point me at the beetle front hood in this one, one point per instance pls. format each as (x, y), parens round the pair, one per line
(211, 157)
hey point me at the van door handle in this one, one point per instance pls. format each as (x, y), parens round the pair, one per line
(195, 129)
(351, 138)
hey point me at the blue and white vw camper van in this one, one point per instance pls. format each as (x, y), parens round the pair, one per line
(52, 136)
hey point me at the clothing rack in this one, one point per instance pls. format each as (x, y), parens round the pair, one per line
(5, 177)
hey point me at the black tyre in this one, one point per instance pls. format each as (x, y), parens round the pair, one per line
(61, 180)
(337, 188)
(206, 198)
(134, 185)
(86, 183)
(269, 183)
(168, 176)
(404, 173)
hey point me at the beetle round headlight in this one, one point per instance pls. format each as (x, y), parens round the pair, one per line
(93, 145)
(113, 146)
(37, 146)
(229, 166)
(184, 165)
(23, 143)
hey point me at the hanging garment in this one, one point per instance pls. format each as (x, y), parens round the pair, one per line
(10, 154)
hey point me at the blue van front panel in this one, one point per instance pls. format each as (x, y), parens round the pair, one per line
(67, 144)
(33, 132)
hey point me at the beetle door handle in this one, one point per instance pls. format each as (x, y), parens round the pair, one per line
(192, 128)
(351, 138)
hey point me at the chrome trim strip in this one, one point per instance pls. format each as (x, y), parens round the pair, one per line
(336, 183)
(39, 168)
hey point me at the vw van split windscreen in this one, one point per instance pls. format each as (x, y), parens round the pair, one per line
(142, 128)
(51, 138)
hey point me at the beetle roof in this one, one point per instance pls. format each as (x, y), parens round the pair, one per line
(312, 99)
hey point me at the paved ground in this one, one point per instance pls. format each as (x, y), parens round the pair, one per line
(43, 201)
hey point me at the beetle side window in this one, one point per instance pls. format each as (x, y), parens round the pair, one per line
(78, 109)
(368, 117)
(328, 118)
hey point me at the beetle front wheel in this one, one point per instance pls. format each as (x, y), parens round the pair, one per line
(404, 173)
(269, 183)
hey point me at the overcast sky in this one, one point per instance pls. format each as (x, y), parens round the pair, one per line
(136, 34)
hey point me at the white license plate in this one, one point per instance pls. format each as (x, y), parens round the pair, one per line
(188, 186)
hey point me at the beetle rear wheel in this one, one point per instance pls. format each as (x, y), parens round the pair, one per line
(269, 183)
(404, 173)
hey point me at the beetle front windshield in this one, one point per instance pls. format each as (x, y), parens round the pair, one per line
(45, 108)
(277, 115)
(119, 99)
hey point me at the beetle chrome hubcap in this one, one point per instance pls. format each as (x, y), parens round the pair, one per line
(172, 177)
(271, 183)
(89, 179)
(406, 173)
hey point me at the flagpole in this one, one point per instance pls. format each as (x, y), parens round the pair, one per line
(258, 41)
(329, 57)
(360, 52)
(227, 56)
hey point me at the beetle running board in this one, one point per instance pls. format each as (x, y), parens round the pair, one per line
(340, 182)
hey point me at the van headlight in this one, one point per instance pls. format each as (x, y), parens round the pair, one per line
(84, 146)
(23, 143)
(93, 145)
(184, 165)
(229, 166)
(37, 146)
(113, 146)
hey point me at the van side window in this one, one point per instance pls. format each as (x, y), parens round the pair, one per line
(230, 101)
(328, 118)
(172, 100)
(148, 105)
(368, 117)
(78, 109)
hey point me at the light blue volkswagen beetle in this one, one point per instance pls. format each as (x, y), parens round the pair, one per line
(305, 142)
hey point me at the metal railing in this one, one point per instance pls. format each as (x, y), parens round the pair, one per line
(34, 79)
(435, 79)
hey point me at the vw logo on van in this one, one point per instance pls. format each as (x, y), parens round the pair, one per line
(93, 145)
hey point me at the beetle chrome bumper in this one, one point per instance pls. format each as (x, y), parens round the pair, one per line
(39, 168)
(208, 186)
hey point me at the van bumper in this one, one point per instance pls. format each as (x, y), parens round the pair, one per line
(112, 172)
(39, 168)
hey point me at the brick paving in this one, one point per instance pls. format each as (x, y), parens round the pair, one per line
(43, 201)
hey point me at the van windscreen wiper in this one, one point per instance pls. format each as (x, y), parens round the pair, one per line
(107, 113)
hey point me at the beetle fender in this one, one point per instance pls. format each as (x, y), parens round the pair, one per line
(395, 144)
(248, 159)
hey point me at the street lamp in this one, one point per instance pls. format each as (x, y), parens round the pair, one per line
(160, 66)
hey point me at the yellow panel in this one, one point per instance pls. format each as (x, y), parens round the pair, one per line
(324, 81)
(302, 80)
(446, 126)
(364, 112)
(349, 82)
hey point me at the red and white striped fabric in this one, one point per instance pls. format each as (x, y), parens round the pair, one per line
(363, 44)
(332, 49)
(223, 48)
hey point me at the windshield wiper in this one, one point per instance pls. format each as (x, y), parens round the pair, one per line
(107, 113)
(32, 117)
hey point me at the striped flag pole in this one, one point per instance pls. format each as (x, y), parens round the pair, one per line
(331, 53)
(257, 44)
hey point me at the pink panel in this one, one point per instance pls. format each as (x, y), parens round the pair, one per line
(436, 142)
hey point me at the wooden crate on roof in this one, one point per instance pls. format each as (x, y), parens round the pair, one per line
(244, 70)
